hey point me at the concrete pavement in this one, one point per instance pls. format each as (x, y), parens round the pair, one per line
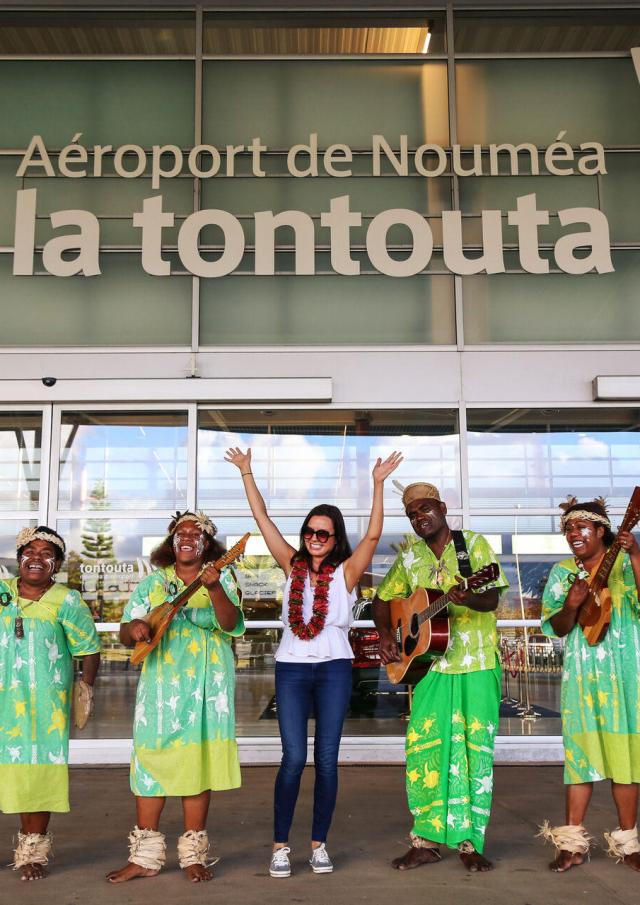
(370, 828)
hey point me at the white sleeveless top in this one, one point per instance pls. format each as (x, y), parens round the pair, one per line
(333, 641)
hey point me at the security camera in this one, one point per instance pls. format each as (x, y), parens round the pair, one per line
(49, 381)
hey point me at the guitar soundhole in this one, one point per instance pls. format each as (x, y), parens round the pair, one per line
(415, 626)
(409, 646)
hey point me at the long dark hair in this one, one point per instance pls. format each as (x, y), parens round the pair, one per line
(164, 555)
(342, 549)
(597, 509)
(59, 554)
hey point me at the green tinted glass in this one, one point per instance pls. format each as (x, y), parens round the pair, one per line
(284, 102)
(110, 102)
(535, 100)
(556, 307)
(326, 309)
(123, 306)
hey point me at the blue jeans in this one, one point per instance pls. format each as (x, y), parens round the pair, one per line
(326, 687)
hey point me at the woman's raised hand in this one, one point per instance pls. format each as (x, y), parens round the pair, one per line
(382, 470)
(238, 458)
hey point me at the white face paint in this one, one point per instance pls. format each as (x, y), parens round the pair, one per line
(30, 561)
(189, 539)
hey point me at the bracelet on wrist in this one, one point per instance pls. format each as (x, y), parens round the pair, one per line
(243, 473)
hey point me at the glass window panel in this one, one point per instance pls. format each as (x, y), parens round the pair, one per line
(20, 451)
(303, 458)
(116, 102)
(367, 195)
(546, 31)
(539, 684)
(106, 558)
(93, 34)
(108, 197)
(323, 33)
(534, 458)
(8, 187)
(44, 310)
(307, 309)
(534, 100)
(123, 460)
(620, 193)
(344, 102)
(478, 193)
(554, 307)
(285, 261)
(8, 532)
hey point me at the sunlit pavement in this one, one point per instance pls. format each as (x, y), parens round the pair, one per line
(370, 828)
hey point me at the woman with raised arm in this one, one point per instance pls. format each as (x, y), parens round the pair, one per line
(313, 661)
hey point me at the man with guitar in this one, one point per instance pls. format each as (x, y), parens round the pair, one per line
(454, 716)
(600, 697)
(184, 727)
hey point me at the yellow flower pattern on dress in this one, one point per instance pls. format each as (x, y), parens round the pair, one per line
(431, 778)
(184, 723)
(600, 690)
(36, 676)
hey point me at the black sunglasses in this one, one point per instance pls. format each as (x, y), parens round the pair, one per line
(323, 535)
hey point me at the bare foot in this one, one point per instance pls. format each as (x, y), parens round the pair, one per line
(632, 861)
(33, 872)
(130, 872)
(198, 873)
(474, 861)
(565, 860)
(415, 857)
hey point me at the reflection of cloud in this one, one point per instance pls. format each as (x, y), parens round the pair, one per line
(592, 446)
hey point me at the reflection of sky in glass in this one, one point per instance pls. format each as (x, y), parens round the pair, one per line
(19, 465)
(8, 532)
(540, 469)
(139, 464)
(296, 470)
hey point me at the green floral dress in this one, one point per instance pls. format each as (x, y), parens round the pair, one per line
(36, 678)
(184, 725)
(600, 697)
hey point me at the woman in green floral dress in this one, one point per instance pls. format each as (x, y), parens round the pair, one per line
(184, 727)
(43, 625)
(600, 698)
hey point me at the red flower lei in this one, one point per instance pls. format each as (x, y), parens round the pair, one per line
(308, 630)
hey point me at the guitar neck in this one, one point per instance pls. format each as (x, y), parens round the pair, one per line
(606, 565)
(434, 608)
(225, 560)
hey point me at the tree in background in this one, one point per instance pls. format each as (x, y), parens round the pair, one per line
(97, 544)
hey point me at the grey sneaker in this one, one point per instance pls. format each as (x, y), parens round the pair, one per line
(280, 865)
(320, 861)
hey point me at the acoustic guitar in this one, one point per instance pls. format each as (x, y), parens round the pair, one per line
(160, 617)
(416, 625)
(595, 613)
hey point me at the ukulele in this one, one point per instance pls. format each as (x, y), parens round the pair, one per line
(160, 617)
(595, 612)
(415, 623)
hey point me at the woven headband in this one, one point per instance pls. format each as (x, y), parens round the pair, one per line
(585, 514)
(26, 535)
(202, 521)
